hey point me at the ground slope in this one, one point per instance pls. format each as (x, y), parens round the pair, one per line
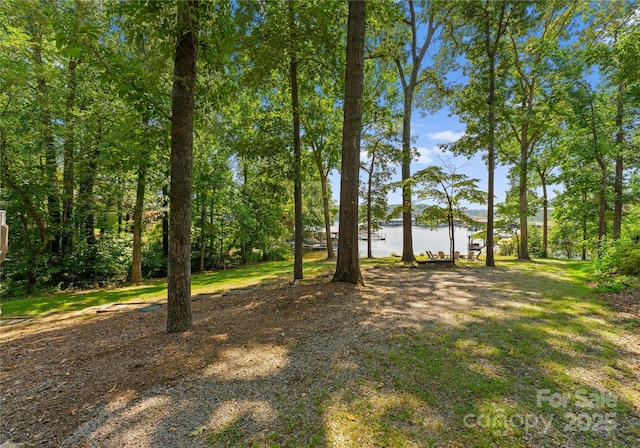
(417, 357)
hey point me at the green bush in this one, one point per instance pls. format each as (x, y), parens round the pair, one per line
(507, 246)
(154, 263)
(21, 275)
(536, 248)
(278, 252)
(621, 257)
(108, 258)
(564, 240)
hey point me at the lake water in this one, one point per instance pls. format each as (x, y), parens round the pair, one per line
(423, 239)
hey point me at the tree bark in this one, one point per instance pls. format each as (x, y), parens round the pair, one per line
(203, 233)
(67, 172)
(407, 219)
(51, 163)
(87, 190)
(119, 212)
(179, 317)
(491, 156)
(523, 253)
(369, 201)
(583, 252)
(545, 218)
(491, 49)
(409, 87)
(327, 217)
(348, 265)
(602, 196)
(165, 222)
(86, 202)
(602, 202)
(297, 194)
(617, 210)
(136, 262)
(325, 200)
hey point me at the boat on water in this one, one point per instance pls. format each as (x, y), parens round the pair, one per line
(375, 236)
(323, 246)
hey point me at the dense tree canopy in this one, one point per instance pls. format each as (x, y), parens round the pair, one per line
(93, 186)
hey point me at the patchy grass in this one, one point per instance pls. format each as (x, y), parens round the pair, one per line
(542, 364)
(156, 289)
(544, 368)
(229, 436)
(522, 355)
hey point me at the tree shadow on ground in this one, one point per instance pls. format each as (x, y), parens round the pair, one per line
(415, 358)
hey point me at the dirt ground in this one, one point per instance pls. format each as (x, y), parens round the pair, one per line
(102, 379)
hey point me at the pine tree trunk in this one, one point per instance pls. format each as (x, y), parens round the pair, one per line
(407, 220)
(327, 217)
(491, 158)
(119, 204)
(67, 172)
(297, 194)
(203, 233)
(165, 222)
(617, 210)
(409, 88)
(179, 316)
(523, 253)
(348, 264)
(325, 200)
(136, 262)
(545, 219)
(491, 49)
(51, 163)
(602, 203)
(369, 207)
(87, 201)
(583, 253)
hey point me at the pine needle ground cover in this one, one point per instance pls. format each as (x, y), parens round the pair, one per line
(526, 354)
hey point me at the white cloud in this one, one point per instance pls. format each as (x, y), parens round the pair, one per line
(426, 154)
(445, 136)
(364, 155)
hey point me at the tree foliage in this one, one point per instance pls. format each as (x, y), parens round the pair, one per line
(447, 192)
(548, 88)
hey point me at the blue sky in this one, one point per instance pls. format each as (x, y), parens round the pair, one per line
(428, 132)
(432, 130)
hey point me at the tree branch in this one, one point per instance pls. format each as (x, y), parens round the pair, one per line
(401, 73)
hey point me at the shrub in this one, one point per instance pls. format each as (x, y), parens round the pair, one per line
(536, 248)
(278, 252)
(154, 263)
(620, 260)
(108, 258)
(620, 257)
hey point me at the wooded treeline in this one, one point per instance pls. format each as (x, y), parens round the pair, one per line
(548, 88)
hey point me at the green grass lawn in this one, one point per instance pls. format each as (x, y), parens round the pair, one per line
(156, 289)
